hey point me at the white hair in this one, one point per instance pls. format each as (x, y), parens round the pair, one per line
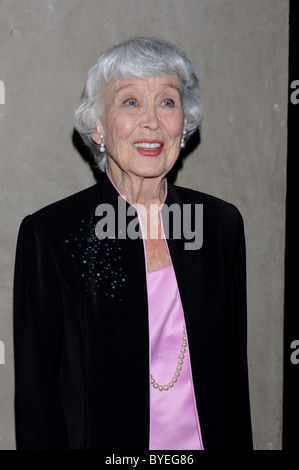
(139, 57)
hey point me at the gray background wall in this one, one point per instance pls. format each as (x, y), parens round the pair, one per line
(240, 51)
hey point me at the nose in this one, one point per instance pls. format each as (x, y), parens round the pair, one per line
(150, 118)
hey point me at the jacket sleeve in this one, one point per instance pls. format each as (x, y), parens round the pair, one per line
(240, 399)
(38, 333)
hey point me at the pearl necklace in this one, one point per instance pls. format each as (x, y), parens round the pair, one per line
(178, 369)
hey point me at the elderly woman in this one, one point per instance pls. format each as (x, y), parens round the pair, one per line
(127, 334)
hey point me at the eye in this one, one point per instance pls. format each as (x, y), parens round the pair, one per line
(169, 103)
(131, 102)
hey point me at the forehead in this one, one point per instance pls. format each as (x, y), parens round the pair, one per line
(154, 84)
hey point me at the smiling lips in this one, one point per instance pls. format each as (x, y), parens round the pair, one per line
(149, 148)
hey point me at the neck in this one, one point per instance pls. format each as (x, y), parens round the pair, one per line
(138, 189)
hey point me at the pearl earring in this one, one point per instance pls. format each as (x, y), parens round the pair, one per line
(183, 141)
(102, 145)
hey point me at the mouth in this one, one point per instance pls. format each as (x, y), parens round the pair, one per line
(149, 148)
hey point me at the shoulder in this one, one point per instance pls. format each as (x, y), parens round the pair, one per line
(68, 207)
(215, 209)
(222, 222)
(62, 216)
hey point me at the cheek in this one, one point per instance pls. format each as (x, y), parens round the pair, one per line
(174, 126)
(119, 128)
(118, 131)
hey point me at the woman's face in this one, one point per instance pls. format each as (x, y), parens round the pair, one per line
(142, 123)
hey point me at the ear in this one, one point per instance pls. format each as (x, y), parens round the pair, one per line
(185, 120)
(95, 135)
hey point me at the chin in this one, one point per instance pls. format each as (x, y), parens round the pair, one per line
(150, 171)
(151, 167)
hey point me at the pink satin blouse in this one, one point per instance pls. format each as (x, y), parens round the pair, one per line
(174, 423)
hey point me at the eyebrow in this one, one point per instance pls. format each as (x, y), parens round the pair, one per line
(172, 85)
(121, 88)
(129, 85)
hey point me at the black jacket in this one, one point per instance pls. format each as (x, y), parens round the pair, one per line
(81, 327)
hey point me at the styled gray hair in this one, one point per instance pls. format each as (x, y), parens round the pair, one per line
(139, 57)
